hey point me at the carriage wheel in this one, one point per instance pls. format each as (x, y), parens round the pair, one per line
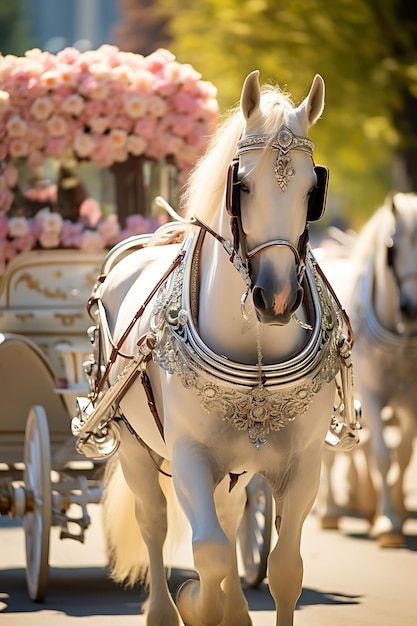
(37, 521)
(255, 531)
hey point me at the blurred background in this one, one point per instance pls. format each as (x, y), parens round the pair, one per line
(366, 50)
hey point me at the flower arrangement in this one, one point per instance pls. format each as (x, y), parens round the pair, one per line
(102, 106)
(48, 230)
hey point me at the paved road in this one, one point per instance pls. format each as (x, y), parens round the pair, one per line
(348, 579)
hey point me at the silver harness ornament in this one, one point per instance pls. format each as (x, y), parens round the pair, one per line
(252, 399)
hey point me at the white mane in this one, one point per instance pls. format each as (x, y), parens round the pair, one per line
(204, 194)
(377, 227)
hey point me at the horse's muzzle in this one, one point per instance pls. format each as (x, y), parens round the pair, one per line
(275, 309)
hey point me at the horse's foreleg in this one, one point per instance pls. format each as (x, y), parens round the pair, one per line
(142, 477)
(329, 511)
(294, 501)
(404, 452)
(201, 602)
(387, 526)
(230, 506)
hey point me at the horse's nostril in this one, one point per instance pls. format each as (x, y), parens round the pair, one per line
(408, 309)
(259, 299)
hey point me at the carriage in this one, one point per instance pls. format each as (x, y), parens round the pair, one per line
(44, 479)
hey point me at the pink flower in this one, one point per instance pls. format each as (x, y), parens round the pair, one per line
(135, 106)
(4, 226)
(100, 71)
(157, 106)
(24, 243)
(117, 138)
(49, 239)
(18, 227)
(102, 154)
(122, 75)
(57, 126)
(4, 102)
(16, 126)
(146, 127)
(155, 62)
(50, 222)
(51, 79)
(55, 146)
(84, 145)
(71, 234)
(136, 145)
(100, 124)
(180, 124)
(41, 108)
(109, 229)
(91, 110)
(11, 175)
(68, 55)
(138, 224)
(121, 121)
(36, 158)
(6, 199)
(90, 209)
(8, 250)
(73, 104)
(91, 241)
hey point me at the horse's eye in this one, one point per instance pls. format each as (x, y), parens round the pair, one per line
(244, 187)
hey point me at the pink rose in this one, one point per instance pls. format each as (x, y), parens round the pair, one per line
(109, 229)
(90, 209)
(6, 200)
(49, 239)
(24, 243)
(91, 241)
(4, 226)
(55, 147)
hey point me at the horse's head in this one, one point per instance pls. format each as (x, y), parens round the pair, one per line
(402, 256)
(275, 191)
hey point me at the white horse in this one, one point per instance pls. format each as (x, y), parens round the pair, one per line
(231, 394)
(377, 284)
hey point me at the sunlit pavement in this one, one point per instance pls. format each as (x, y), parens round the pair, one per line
(348, 579)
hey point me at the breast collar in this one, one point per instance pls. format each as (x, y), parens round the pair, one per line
(256, 399)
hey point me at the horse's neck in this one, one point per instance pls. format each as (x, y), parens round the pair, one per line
(221, 323)
(385, 294)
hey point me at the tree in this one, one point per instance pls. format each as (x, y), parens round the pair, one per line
(13, 28)
(364, 49)
(142, 29)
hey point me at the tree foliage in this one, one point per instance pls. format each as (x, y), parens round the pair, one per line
(142, 27)
(14, 38)
(364, 49)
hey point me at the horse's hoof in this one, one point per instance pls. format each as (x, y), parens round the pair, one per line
(391, 540)
(186, 601)
(329, 522)
(387, 533)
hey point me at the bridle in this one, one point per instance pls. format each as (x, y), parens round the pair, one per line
(284, 141)
(399, 280)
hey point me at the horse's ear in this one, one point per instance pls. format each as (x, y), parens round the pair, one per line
(251, 95)
(390, 202)
(312, 106)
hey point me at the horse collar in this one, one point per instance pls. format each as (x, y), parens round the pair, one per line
(236, 391)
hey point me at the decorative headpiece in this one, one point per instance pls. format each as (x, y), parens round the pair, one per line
(284, 141)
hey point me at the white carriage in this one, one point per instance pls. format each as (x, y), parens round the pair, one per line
(43, 344)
